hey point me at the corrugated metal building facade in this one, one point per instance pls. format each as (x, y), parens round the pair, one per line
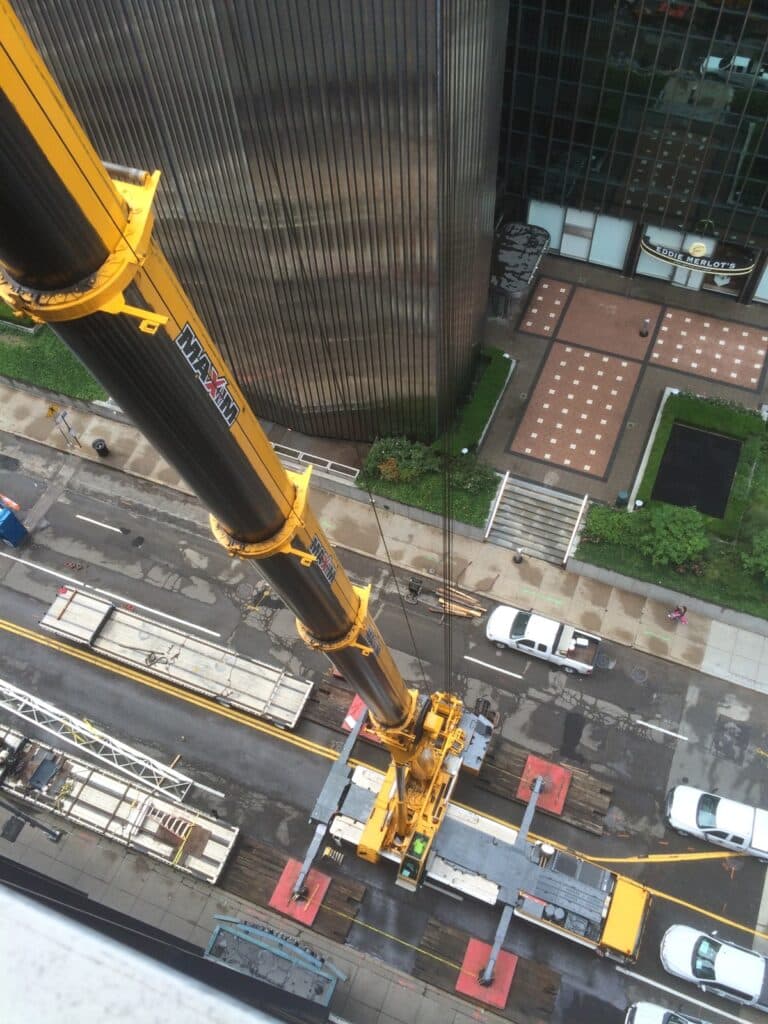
(328, 183)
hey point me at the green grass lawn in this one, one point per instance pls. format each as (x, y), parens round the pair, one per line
(720, 418)
(43, 360)
(475, 413)
(724, 580)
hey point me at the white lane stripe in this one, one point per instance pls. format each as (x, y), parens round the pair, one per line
(680, 995)
(667, 732)
(476, 661)
(105, 526)
(107, 593)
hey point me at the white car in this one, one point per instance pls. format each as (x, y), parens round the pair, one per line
(715, 966)
(739, 70)
(718, 820)
(650, 1013)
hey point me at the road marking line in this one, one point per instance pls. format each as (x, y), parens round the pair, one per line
(658, 728)
(680, 995)
(310, 746)
(188, 696)
(485, 664)
(666, 858)
(105, 526)
(108, 593)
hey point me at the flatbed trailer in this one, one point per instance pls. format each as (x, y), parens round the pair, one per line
(186, 661)
(554, 889)
(117, 808)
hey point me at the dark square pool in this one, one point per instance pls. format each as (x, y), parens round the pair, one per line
(697, 470)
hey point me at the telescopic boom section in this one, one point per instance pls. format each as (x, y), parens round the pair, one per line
(76, 252)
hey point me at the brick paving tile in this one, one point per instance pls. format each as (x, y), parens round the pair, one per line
(545, 308)
(730, 352)
(609, 322)
(577, 408)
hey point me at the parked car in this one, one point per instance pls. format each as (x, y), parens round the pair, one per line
(570, 648)
(738, 70)
(718, 820)
(718, 967)
(650, 1013)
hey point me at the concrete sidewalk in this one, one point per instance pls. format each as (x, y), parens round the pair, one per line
(731, 646)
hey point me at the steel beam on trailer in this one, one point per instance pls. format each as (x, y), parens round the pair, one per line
(163, 779)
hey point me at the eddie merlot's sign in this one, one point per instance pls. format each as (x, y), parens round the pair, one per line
(696, 259)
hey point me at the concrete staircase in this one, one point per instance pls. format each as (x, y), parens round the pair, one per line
(537, 519)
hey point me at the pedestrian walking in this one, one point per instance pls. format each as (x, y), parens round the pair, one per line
(678, 614)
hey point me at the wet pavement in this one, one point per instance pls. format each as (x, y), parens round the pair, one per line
(580, 318)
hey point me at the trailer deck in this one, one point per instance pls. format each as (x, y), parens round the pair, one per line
(138, 818)
(186, 661)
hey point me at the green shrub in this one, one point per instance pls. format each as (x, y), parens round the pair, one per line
(413, 474)
(471, 476)
(756, 560)
(608, 526)
(399, 460)
(670, 535)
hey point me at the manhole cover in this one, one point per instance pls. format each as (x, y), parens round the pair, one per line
(730, 739)
(639, 675)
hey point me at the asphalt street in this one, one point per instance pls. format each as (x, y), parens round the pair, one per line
(150, 547)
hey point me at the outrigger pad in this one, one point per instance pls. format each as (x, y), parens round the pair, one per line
(475, 959)
(357, 708)
(304, 911)
(556, 782)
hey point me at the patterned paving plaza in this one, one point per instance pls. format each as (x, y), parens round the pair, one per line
(576, 412)
(601, 342)
(733, 353)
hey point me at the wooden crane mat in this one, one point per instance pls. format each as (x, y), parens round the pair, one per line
(254, 871)
(328, 703)
(441, 953)
(586, 803)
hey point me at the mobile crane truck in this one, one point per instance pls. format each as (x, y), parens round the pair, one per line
(76, 252)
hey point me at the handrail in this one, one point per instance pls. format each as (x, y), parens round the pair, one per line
(666, 395)
(306, 458)
(575, 528)
(496, 504)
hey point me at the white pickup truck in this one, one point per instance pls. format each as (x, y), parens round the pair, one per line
(718, 820)
(538, 637)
